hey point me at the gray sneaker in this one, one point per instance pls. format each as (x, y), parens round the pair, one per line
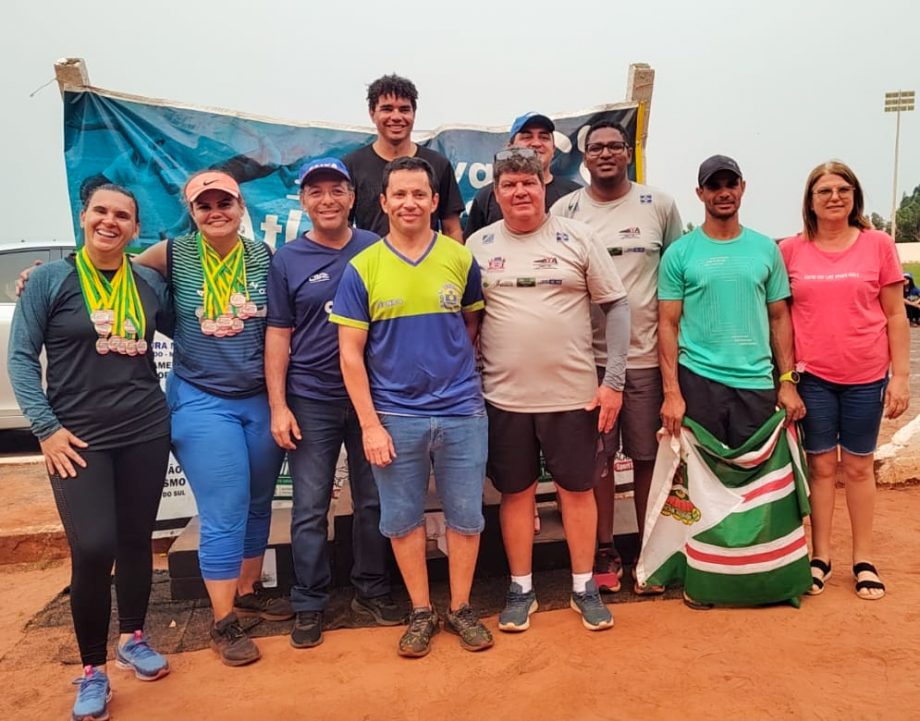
(594, 614)
(416, 641)
(230, 642)
(383, 609)
(263, 604)
(515, 616)
(466, 624)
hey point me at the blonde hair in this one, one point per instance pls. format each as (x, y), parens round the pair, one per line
(832, 167)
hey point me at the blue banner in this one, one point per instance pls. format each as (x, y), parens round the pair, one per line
(152, 147)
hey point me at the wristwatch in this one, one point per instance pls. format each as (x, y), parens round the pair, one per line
(791, 376)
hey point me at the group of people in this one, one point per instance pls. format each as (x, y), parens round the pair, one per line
(573, 322)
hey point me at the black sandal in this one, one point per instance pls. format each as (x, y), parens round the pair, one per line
(866, 567)
(817, 582)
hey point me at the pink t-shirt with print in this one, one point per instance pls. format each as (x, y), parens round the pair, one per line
(840, 326)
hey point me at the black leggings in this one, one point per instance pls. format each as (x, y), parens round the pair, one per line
(108, 512)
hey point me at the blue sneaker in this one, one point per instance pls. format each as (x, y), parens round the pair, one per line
(515, 616)
(136, 655)
(594, 614)
(93, 696)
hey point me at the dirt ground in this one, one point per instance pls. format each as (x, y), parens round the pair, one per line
(835, 658)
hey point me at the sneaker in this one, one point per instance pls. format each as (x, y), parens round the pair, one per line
(416, 641)
(136, 655)
(262, 604)
(466, 624)
(383, 609)
(308, 629)
(608, 570)
(232, 644)
(594, 614)
(515, 616)
(93, 696)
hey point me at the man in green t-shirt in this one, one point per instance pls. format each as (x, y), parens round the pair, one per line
(722, 291)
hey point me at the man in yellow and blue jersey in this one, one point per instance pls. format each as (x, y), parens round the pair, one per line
(408, 309)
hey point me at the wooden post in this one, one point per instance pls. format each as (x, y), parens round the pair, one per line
(639, 85)
(71, 75)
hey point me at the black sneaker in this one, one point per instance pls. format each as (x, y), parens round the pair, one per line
(262, 604)
(383, 609)
(466, 624)
(230, 642)
(308, 629)
(416, 641)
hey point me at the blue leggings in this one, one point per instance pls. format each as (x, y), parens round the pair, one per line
(226, 449)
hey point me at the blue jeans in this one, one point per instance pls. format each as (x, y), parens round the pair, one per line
(848, 415)
(456, 447)
(226, 449)
(325, 426)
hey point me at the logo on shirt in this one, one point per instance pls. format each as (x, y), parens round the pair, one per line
(318, 278)
(645, 198)
(505, 283)
(449, 297)
(496, 264)
(549, 281)
(389, 303)
(526, 282)
(548, 262)
(615, 251)
(562, 237)
(630, 233)
(488, 239)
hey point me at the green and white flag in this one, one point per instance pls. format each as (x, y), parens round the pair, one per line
(727, 523)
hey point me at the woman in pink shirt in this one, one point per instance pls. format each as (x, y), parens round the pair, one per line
(850, 329)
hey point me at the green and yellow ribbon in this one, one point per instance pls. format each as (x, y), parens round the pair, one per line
(119, 295)
(222, 277)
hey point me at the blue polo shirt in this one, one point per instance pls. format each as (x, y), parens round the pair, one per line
(302, 282)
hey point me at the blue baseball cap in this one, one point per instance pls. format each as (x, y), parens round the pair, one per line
(333, 165)
(531, 118)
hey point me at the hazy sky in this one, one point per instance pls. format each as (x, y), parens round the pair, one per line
(780, 85)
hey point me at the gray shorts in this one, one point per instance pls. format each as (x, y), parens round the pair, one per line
(640, 417)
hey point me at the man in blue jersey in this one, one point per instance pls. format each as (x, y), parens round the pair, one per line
(311, 414)
(408, 309)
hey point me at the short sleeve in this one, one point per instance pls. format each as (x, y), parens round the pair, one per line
(450, 202)
(671, 284)
(280, 310)
(890, 270)
(603, 280)
(673, 228)
(778, 282)
(473, 298)
(350, 306)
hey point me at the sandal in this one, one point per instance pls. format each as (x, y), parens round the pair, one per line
(697, 605)
(866, 567)
(644, 589)
(817, 582)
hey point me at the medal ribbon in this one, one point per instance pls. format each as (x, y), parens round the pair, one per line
(119, 295)
(222, 276)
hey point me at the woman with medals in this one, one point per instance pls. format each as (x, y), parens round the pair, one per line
(104, 428)
(221, 423)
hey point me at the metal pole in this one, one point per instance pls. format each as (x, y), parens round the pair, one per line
(894, 191)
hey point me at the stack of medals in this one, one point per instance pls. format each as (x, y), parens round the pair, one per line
(114, 307)
(226, 303)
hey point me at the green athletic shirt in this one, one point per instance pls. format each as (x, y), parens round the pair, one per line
(725, 286)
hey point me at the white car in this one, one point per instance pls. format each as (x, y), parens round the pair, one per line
(14, 257)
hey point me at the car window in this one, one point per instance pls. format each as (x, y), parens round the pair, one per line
(12, 262)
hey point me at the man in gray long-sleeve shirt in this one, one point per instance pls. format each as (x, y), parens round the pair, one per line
(540, 275)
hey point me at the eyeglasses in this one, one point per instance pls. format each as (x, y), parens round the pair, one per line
(825, 194)
(515, 153)
(596, 149)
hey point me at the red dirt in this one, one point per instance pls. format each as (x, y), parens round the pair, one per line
(835, 658)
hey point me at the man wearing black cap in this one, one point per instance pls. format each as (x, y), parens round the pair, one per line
(311, 416)
(722, 291)
(530, 130)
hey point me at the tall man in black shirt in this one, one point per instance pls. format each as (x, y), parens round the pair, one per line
(530, 130)
(391, 102)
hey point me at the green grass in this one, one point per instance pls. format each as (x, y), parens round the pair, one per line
(913, 269)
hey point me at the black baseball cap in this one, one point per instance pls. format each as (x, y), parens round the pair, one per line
(713, 165)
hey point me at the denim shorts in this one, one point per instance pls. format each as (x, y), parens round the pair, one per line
(455, 447)
(848, 415)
